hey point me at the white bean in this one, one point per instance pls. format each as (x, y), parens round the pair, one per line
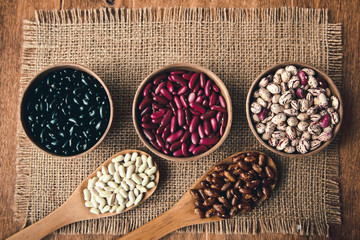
(127, 164)
(106, 178)
(104, 170)
(152, 177)
(138, 162)
(125, 186)
(113, 184)
(122, 171)
(100, 184)
(142, 175)
(116, 165)
(105, 209)
(151, 171)
(131, 196)
(95, 211)
(143, 167)
(130, 183)
(136, 192)
(87, 195)
(136, 178)
(150, 185)
(101, 205)
(109, 189)
(94, 192)
(124, 193)
(120, 199)
(100, 200)
(127, 157)
(144, 158)
(99, 174)
(134, 156)
(94, 203)
(111, 168)
(111, 199)
(138, 199)
(118, 158)
(145, 181)
(104, 193)
(141, 188)
(150, 162)
(130, 170)
(91, 183)
(120, 208)
(113, 209)
(89, 204)
(117, 177)
(129, 204)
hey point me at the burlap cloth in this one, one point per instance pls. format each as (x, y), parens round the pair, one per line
(123, 46)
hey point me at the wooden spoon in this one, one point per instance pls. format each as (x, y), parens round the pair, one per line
(182, 213)
(74, 208)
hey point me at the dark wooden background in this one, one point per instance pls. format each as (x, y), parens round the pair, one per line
(12, 13)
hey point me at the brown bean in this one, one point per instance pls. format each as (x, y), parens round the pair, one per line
(215, 174)
(247, 177)
(199, 212)
(245, 190)
(234, 201)
(210, 212)
(219, 208)
(255, 198)
(266, 191)
(224, 216)
(238, 183)
(243, 165)
(236, 193)
(248, 196)
(262, 174)
(229, 194)
(253, 154)
(270, 172)
(259, 193)
(218, 181)
(253, 184)
(211, 192)
(198, 204)
(233, 211)
(237, 172)
(229, 176)
(262, 160)
(220, 167)
(209, 201)
(250, 159)
(238, 158)
(204, 184)
(268, 181)
(244, 206)
(256, 168)
(233, 167)
(208, 178)
(223, 200)
(226, 186)
(195, 194)
(215, 186)
(201, 192)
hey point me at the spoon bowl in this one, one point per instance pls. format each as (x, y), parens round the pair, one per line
(74, 209)
(182, 213)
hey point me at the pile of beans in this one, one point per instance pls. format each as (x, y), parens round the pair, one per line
(121, 184)
(236, 187)
(66, 112)
(182, 113)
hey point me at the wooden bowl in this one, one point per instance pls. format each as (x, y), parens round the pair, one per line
(186, 67)
(35, 81)
(272, 69)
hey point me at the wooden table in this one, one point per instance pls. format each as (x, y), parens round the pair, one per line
(347, 12)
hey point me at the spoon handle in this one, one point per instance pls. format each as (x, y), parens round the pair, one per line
(180, 215)
(62, 216)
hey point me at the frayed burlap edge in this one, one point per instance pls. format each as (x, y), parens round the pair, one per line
(332, 202)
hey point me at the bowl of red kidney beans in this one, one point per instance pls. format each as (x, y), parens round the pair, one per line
(182, 112)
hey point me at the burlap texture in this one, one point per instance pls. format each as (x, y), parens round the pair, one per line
(123, 46)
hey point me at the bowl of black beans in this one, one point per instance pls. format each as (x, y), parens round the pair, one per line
(66, 110)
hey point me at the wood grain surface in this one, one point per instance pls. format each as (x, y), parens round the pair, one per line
(12, 12)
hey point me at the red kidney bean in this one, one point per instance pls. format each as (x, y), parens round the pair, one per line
(148, 134)
(187, 75)
(201, 131)
(197, 107)
(224, 120)
(175, 146)
(161, 99)
(187, 117)
(191, 97)
(200, 149)
(167, 146)
(158, 114)
(208, 115)
(145, 111)
(199, 99)
(160, 129)
(156, 105)
(192, 147)
(146, 92)
(193, 80)
(167, 117)
(218, 108)
(212, 99)
(173, 108)
(154, 143)
(202, 80)
(182, 90)
(156, 120)
(146, 102)
(161, 85)
(209, 140)
(186, 135)
(196, 88)
(177, 102)
(148, 125)
(207, 88)
(205, 103)
(179, 80)
(159, 78)
(215, 88)
(145, 118)
(166, 132)
(180, 117)
(173, 124)
(195, 138)
(175, 136)
(222, 101)
(214, 124)
(184, 101)
(170, 86)
(194, 112)
(207, 127)
(166, 94)
(200, 92)
(160, 141)
(185, 150)
(218, 116)
(178, 153)
(194, 124)
(178, 72)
